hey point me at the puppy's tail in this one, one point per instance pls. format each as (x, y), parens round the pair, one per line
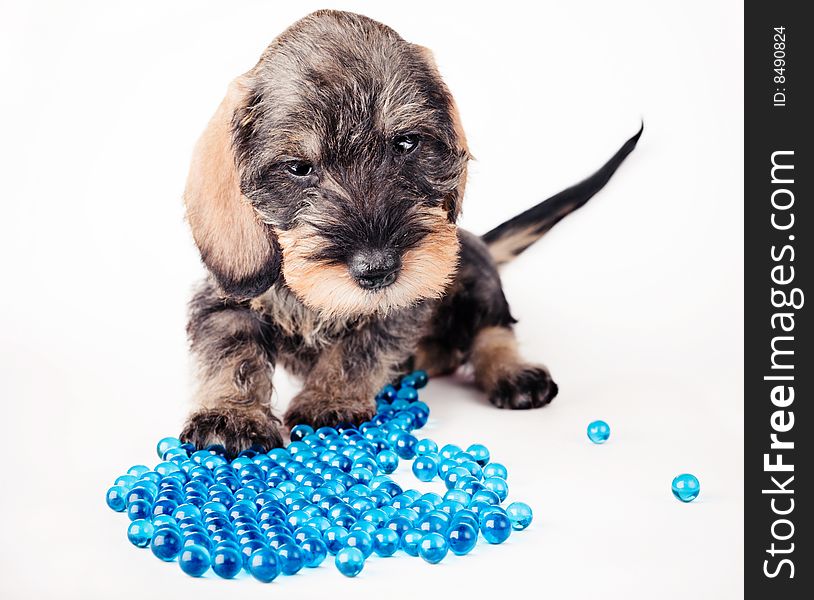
(515, 235)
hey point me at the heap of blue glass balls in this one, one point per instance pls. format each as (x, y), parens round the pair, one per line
(328, 492)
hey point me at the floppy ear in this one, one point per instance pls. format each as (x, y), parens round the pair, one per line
(454, 202)
(236, 247)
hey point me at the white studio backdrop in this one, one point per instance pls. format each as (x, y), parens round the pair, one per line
(634, 302)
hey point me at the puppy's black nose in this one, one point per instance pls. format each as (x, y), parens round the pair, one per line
(374, 269)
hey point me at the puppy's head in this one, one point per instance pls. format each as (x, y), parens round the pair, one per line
(339, 162)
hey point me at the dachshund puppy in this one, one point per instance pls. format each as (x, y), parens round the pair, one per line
(323, 198)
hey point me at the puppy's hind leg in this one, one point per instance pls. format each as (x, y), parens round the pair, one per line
(508, 380)
(236, 360)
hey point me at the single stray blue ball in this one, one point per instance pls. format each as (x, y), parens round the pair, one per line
(519, 514)
(350, 561)
(686, 487)
(598, 432)
(433, 548)
(194, 560)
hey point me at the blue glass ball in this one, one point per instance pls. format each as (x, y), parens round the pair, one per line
(422, 507)
(495, 527)
(449, 450)
(454, 475)
(686, 487)
(365, 526)
(462, 537)
(485, 495)
(142, 490)
(140, 532)
(166, 543)
(279, 540)
(327, 432)
(410, 540)
(194, 560)
(306, 532)
(598, 432)
(139, 509)
(361, 474)
(226, 561)
(473, 468)
(376, 516)
(399, 524)
(420, 378)
(432, 498)
(450, 507)
(433, 548)
(460, 496)
(385, 542)
(405, 446)
(334, 538)
(520, 515)
(116, 498)
(126, 481)
(425, 467)
(165, 521)
(497, 485)
(480, 453)
(388, 392)
(164, 507)
(407, 393)
(314, 551)
(433, 522)
(138, 470)
(264, 565)
(360, 539)
(350, 561)
(291, 557)
(426, 446)
(408, 381)
(298, 432)
(319, 523)
(197, 538)
(165, 444)
(185, 510)
(387, 460)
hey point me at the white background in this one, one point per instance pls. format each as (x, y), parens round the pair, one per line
(635, 302)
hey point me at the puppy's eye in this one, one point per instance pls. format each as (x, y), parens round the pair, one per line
(404, 144)
(299, 168)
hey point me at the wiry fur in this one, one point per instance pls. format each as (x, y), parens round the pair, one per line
(335, 92)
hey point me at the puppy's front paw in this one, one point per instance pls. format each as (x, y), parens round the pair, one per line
(319, 408)
(233, 428)
(528, 386)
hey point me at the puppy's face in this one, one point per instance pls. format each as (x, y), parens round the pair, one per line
(348, 148)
